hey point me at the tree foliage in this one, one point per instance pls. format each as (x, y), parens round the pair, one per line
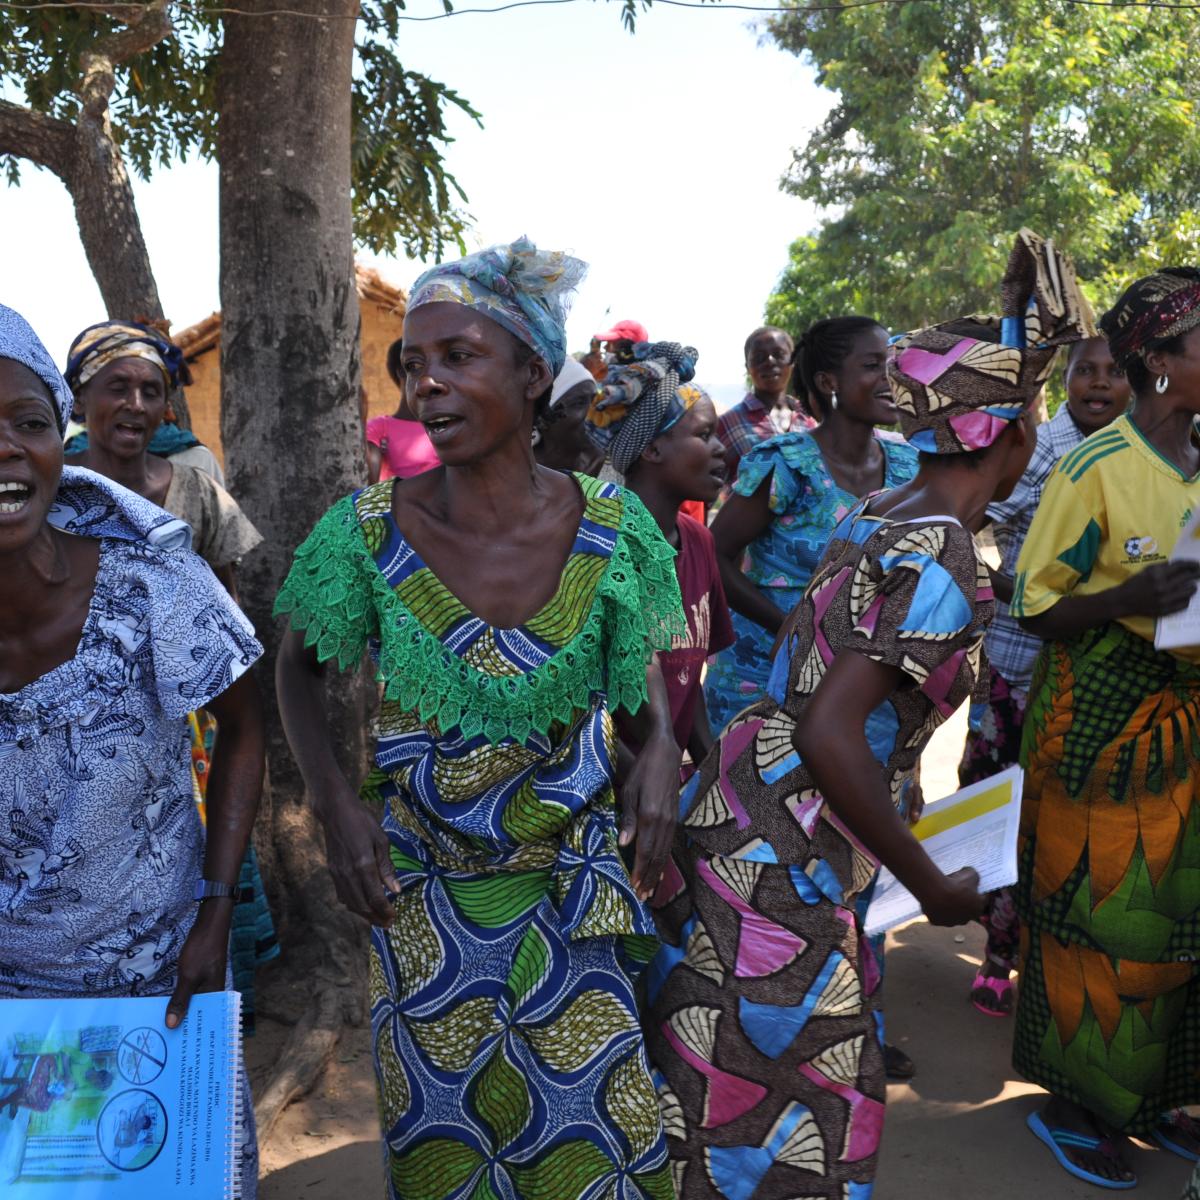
(163, 109)
(957, 123)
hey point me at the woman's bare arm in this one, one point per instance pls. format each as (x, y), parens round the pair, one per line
(357, 847)
(742, 520)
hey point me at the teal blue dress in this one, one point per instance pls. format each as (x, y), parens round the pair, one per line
(807, 504)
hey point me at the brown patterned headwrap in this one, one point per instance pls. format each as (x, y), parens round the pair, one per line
(958, 385)
(1152, 310)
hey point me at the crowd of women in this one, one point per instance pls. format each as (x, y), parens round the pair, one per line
(628, 835)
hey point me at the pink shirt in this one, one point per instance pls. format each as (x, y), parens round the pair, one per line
(406, 451)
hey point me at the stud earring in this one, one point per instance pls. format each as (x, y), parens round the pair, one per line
(1161, 384)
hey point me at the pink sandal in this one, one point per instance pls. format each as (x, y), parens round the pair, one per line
(1000, 988)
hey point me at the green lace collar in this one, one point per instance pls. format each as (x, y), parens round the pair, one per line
(337, 594)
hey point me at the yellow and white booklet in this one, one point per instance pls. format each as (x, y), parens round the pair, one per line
(975, 827)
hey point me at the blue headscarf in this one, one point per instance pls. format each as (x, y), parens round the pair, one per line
(21, 344)
(521, 288)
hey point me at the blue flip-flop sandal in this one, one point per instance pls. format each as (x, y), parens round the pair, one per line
(1055, 1139)
(1164, 1139)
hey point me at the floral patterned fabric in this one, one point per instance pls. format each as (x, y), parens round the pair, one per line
(508, 1050)
(748, 423)
(763, 1023)
(100, 840)
(518, 286)
(807, 505)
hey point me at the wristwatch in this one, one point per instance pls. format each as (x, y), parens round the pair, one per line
(210, 889)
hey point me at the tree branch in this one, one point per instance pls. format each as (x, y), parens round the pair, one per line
(44, 140)
(147, 25)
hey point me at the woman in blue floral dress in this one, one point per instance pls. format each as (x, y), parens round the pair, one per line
(111, 632)
(792, 490)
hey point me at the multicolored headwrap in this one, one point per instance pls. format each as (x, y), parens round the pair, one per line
(21, 344)
(98, 345)
(1152, 310)
(642, 399)
(958, 385)
(522, 288)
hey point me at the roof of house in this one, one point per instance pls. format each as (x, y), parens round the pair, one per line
(370, 285)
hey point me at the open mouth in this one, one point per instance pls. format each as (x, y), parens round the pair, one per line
(1096, 405)
(130, 430)
(14, 497)
(440, 428)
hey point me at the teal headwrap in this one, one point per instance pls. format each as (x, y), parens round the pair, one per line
(520, 287)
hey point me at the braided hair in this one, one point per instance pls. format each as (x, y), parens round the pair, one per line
(825, 346)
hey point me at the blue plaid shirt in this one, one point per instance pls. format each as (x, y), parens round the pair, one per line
(1010, 649)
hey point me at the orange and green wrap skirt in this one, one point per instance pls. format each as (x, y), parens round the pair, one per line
(1109, 891)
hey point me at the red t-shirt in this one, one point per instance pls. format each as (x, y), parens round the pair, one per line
(406, 448)
(709, 626)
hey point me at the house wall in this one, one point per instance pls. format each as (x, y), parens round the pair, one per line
(204, 399)
(380, 327)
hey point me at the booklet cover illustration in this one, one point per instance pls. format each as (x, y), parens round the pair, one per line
(99, 1098)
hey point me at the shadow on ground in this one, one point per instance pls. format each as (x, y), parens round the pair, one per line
(329, 1174)
(957, 1130)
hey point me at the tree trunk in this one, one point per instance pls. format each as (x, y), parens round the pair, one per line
(111, 232)
(108, 223)
(291, 425)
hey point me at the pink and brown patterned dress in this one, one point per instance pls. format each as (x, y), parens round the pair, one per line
(763, 1022)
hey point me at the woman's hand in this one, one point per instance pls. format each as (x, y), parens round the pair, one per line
(955, 900)
(1155, 591)
(356, 846)
(202, 959)
(650, 792)
(1160, 589)
(359, 856)
(650, 804)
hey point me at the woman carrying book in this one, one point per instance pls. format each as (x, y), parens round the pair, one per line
(111, 632)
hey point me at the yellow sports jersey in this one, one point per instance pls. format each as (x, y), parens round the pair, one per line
(1112, 506)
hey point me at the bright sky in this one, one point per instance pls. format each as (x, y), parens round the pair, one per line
(654, 157)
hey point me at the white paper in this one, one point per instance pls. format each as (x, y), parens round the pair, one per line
(975, 827)
(1183, 628)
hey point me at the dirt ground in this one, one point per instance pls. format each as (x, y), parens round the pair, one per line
(955, 1132)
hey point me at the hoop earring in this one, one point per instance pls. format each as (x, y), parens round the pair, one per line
(833, 401)
(1161, 384)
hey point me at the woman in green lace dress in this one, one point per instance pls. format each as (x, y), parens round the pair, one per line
(512, 611)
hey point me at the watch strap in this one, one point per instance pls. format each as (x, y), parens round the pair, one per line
(210, 889)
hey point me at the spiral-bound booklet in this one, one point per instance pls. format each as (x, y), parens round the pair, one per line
(98, 1098)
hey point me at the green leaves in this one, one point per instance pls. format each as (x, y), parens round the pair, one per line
(164, 108)
(403, 193)
(959, 123)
